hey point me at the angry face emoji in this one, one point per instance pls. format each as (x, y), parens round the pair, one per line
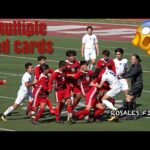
(142, 36)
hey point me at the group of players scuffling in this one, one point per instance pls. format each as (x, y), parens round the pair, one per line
(75, 79)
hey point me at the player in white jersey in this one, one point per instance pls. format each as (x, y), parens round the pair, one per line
(121, 65)
(24, 91)
(114, 84)
(90, 47)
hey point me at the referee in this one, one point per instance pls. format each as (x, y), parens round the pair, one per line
(136, 75)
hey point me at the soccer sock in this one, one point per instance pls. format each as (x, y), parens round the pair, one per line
(39, 114)
(129, 105)
(98, 112)
(9, 110)
(69, 109)
(30, 105)
(75, 103)
(133, 105)
(57, 114)
(49, 104)
(85, 113)
(109, 105)
(78, 113)
(112, 100)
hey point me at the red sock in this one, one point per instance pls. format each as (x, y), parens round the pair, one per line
(30, 105)
(85, 113)
(98, 112)
(112, 100)
(78, 113)
(49, 104)
(57, 114)
(39, 114)
(69, 109)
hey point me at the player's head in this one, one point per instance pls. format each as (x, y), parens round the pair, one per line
(62, 65)
(96, 72)
(71, 55)
(119, 52)
(84, 65)
(41, 59)
(44, 69)
(89, 30)
(106, 54)
(135, 59)
(29, 67)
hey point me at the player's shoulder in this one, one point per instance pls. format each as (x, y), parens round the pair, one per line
(115, 59)
(85, 35)
(124, 60)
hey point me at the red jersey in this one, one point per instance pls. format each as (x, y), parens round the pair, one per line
(60, 80)
(37, 71)
(41, 86)
(109, 64)
(72, 68)
(85, 80)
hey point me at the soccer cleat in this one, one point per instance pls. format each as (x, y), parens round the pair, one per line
(27, 112)
(72, 120)
(35, 122)
(33, 117)
(3, 117)
(113, 118)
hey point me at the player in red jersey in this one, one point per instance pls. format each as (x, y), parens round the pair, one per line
(90, 94)
(37, 72)
(72, 66)
(41, 92)
(62, 92)
(106, 62)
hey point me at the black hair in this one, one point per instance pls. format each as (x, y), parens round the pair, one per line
(89, 27)
(83, 63)
(41, 57)
(44, 67)
(96, 73)
(27, 65)
(71, 52)
(106, 52)
(137, 57)
(119, 50)
(61, 64)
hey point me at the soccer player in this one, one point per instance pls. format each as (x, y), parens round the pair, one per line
(136, 75)
(72, 66)
(62, 92)
(41, 92)
(90, 47)
(24, 91)
(105, 62)
(121, 65)
(37, 72)
(115, 88)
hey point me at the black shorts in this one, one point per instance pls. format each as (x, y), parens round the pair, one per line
(136, 90)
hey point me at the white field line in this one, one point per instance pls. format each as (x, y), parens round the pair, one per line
(4, 129)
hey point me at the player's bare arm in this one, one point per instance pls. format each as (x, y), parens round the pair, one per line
(82, 50)
(97, 49)
(28, 84)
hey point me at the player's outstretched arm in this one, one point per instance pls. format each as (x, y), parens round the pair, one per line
(27, 84)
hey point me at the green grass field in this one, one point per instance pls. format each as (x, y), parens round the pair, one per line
(13, 67)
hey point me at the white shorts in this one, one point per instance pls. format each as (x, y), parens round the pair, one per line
(124, 84)
(113, 92)
(89, 54)
(22, 96)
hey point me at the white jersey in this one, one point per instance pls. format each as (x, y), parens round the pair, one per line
(26, 78)
(121, 65)
(111, 78)
(89, 41)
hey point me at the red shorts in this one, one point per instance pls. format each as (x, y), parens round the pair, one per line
(75, 88)
(105, 87)
(63, 94)
(40, 100)
(91, 97)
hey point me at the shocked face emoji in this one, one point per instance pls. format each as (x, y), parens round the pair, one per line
(142, 37)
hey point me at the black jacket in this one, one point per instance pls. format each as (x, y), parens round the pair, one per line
(136, 74)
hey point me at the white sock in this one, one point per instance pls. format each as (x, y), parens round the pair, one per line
(69, 116)
(9, 110)
(72, 99)
(91, 66)
(109, 105)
